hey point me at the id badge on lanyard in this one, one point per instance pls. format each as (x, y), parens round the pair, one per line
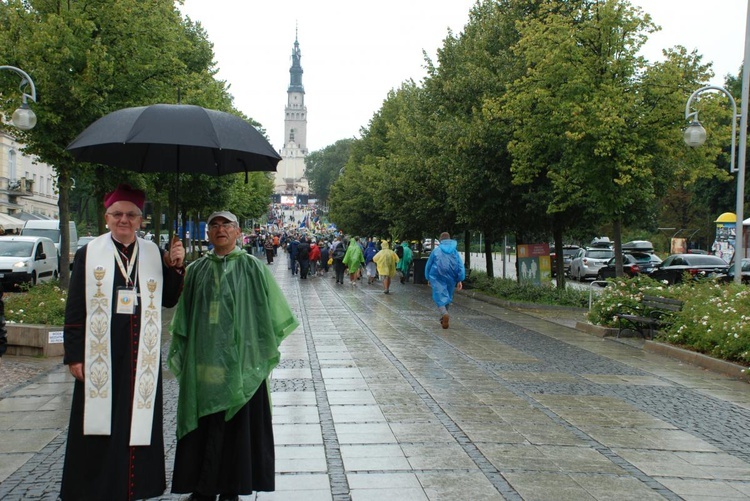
(127, 300)
(127, 297)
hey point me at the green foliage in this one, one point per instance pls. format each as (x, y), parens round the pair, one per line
(323, 167)
(42, 304)
(714, 318)
(626, 293)
(511, 290)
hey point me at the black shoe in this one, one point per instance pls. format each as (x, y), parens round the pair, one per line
(200, 497)
(228, 497)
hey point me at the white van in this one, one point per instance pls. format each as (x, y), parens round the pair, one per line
(51, 229)
(27, 259)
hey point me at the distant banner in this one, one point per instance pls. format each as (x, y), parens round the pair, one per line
(679, 246)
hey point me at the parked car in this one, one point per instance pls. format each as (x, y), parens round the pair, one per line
(729, 276)
(697, 265)
(27, 259)
(588, 261)
(84, 240)
(569, 252)
(630, 267)
(643, 251)
(427, 244)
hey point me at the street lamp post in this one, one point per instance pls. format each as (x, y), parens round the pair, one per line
(24, 117)
(695, 135)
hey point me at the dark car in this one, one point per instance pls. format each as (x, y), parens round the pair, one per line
(697, 265)
(630, 267)
(729, 277)
(569, 252)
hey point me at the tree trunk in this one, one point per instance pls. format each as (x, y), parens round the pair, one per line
(488, 240)
(467, 251)
(617, 229)
(63, 204)
(559, 263)
(156, 220)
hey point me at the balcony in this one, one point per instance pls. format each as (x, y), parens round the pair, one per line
(17, 187)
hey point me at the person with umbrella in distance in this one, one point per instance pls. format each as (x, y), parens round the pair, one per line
(112, 340)
(445, 272)
(226, 331)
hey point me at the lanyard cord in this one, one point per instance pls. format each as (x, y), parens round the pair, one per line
(126, 273)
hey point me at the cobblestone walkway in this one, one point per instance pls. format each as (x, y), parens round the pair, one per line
(374, 401)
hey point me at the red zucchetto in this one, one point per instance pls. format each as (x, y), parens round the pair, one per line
(124, 193)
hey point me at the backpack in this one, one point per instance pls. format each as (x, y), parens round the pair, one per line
(339, 252)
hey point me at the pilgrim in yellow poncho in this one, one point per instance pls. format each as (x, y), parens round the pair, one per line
(229, 323)
(386, 260)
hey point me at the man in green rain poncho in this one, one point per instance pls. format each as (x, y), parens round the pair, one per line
(353, 259)
(405, 263)
(226, 331)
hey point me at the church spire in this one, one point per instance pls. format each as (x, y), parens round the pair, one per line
(295, 72)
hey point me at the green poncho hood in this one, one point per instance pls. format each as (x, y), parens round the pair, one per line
(226, 331)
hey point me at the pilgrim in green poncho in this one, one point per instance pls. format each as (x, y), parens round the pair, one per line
(405, 262)
(353, 259)
(226, 331)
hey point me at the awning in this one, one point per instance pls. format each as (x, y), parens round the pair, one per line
(10, 223)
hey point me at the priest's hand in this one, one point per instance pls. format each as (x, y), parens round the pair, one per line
(176, 255)
(77, 370)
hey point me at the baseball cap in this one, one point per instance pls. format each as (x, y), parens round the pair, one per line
(222, 213)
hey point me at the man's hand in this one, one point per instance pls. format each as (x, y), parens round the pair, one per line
(176, 252)
(459, 286)
(77, 370)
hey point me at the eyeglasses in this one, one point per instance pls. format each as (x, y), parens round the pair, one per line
(216, 226)
(120, 215)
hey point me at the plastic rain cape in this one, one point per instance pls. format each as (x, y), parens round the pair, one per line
(444, 269)
(405, 262)
(229, 323)
(386, 261)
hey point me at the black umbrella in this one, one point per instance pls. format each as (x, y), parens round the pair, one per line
(176, 138)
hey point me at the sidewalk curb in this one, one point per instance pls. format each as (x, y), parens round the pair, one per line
(690, 357)
(698, 359)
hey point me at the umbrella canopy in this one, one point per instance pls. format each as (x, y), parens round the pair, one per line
(177, 138)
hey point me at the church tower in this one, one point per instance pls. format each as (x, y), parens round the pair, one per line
(291, 170)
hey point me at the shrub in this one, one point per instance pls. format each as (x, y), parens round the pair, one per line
(625, 292)
(509, 289)
(714, 319)
(42, 304)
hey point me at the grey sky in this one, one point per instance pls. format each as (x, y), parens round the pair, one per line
(354, 52)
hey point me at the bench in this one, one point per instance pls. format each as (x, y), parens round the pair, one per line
(652, 313)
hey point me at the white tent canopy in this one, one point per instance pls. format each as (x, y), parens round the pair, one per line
(10, 223)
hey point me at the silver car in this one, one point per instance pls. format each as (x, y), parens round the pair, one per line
(587, 262)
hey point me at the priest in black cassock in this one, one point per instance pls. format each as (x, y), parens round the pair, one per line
(113, 325)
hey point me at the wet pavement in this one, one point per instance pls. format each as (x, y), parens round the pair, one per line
(373, 400)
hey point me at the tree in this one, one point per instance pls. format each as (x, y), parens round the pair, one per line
(87, 62)
(475, 68)
(323, 167)
(584, 116)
